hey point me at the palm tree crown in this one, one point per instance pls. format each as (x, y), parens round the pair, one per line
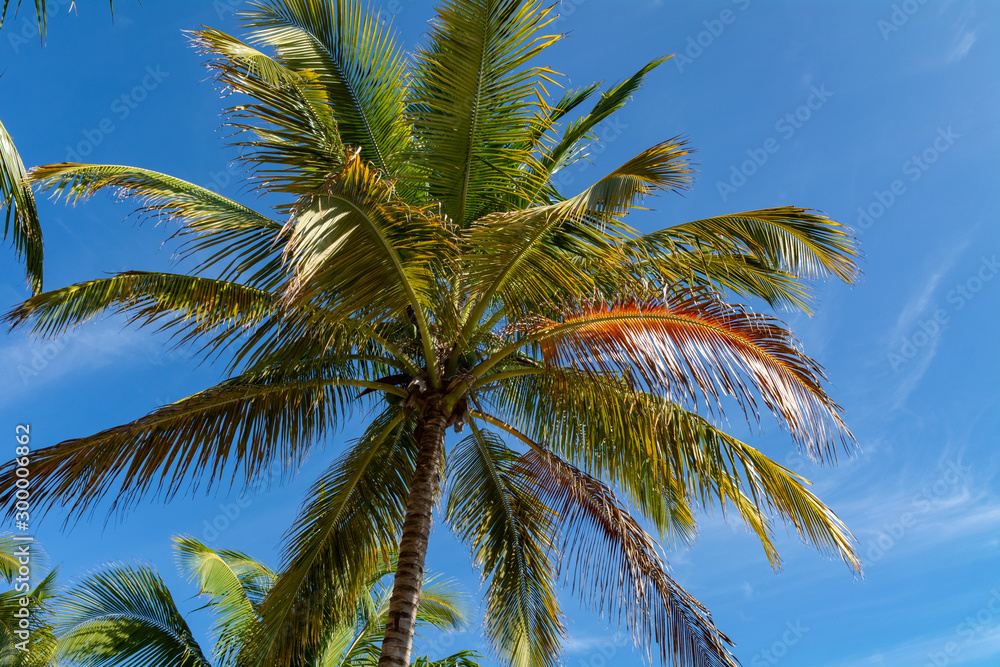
(427, 266)
(125, 616)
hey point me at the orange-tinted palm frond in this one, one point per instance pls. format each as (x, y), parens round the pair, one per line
(694, 347)
(618, 566)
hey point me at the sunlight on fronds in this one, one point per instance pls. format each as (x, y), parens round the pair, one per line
(21, 221)
(696, 348)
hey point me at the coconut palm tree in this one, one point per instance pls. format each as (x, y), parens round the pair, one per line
(423, 263)
(25, 641)
(21, 221)
(125, 614)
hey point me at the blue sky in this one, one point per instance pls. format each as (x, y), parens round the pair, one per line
(882, 115)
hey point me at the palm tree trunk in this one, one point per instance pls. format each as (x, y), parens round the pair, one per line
(401, 622)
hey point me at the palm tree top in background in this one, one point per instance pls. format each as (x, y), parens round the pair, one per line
(124, 615)
(423, 264)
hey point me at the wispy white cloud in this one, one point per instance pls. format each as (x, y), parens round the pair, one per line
(963, 649)
(915, 374)
(962, 47)
(965, 36)
(919, 302)
(576, 645)
(919, 306)
(34, 364)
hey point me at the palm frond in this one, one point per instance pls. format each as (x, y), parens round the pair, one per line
(789, 239)
(525, 258)
(355, 59)
(471, 103)
(253, 424)
(347, 530)
(511, 534)
(21, 221)
(231, 234)
(441, 607)
(741, 274)
(173, 301)
(549, 115)
(666, 459)
(289, 135)
(8, 557)
(357, 249)
(460, 659)
(235, 584)
(695, 347)
(124, 616)
(568, 148)
(34, 645)
(618, 569)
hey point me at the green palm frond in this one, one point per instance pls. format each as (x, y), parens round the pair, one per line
(460, 659)
(8, 557)
(235, 584)
(666, 459)
(549, 115)
(790, 239)
(524, 257)
(124, 616)
(215, 313)
(568, 148)
(471, 105)
(355, 59)
(618, 566)
(171, 301)
(223, 231)
(158, 194)
(738, 273)
(36, 645)
(347, 530)
(357, 250)
(511, 533)
(249, 424)
(288, 133)
(442, 607)
(21, 222)
(615, 452)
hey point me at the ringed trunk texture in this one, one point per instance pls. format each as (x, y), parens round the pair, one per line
(402, 619)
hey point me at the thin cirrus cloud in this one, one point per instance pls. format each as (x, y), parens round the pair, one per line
(34, 365)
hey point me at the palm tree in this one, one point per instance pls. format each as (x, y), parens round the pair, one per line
(34, 645)
(21, 221)
(125, 614)
(431, 270)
